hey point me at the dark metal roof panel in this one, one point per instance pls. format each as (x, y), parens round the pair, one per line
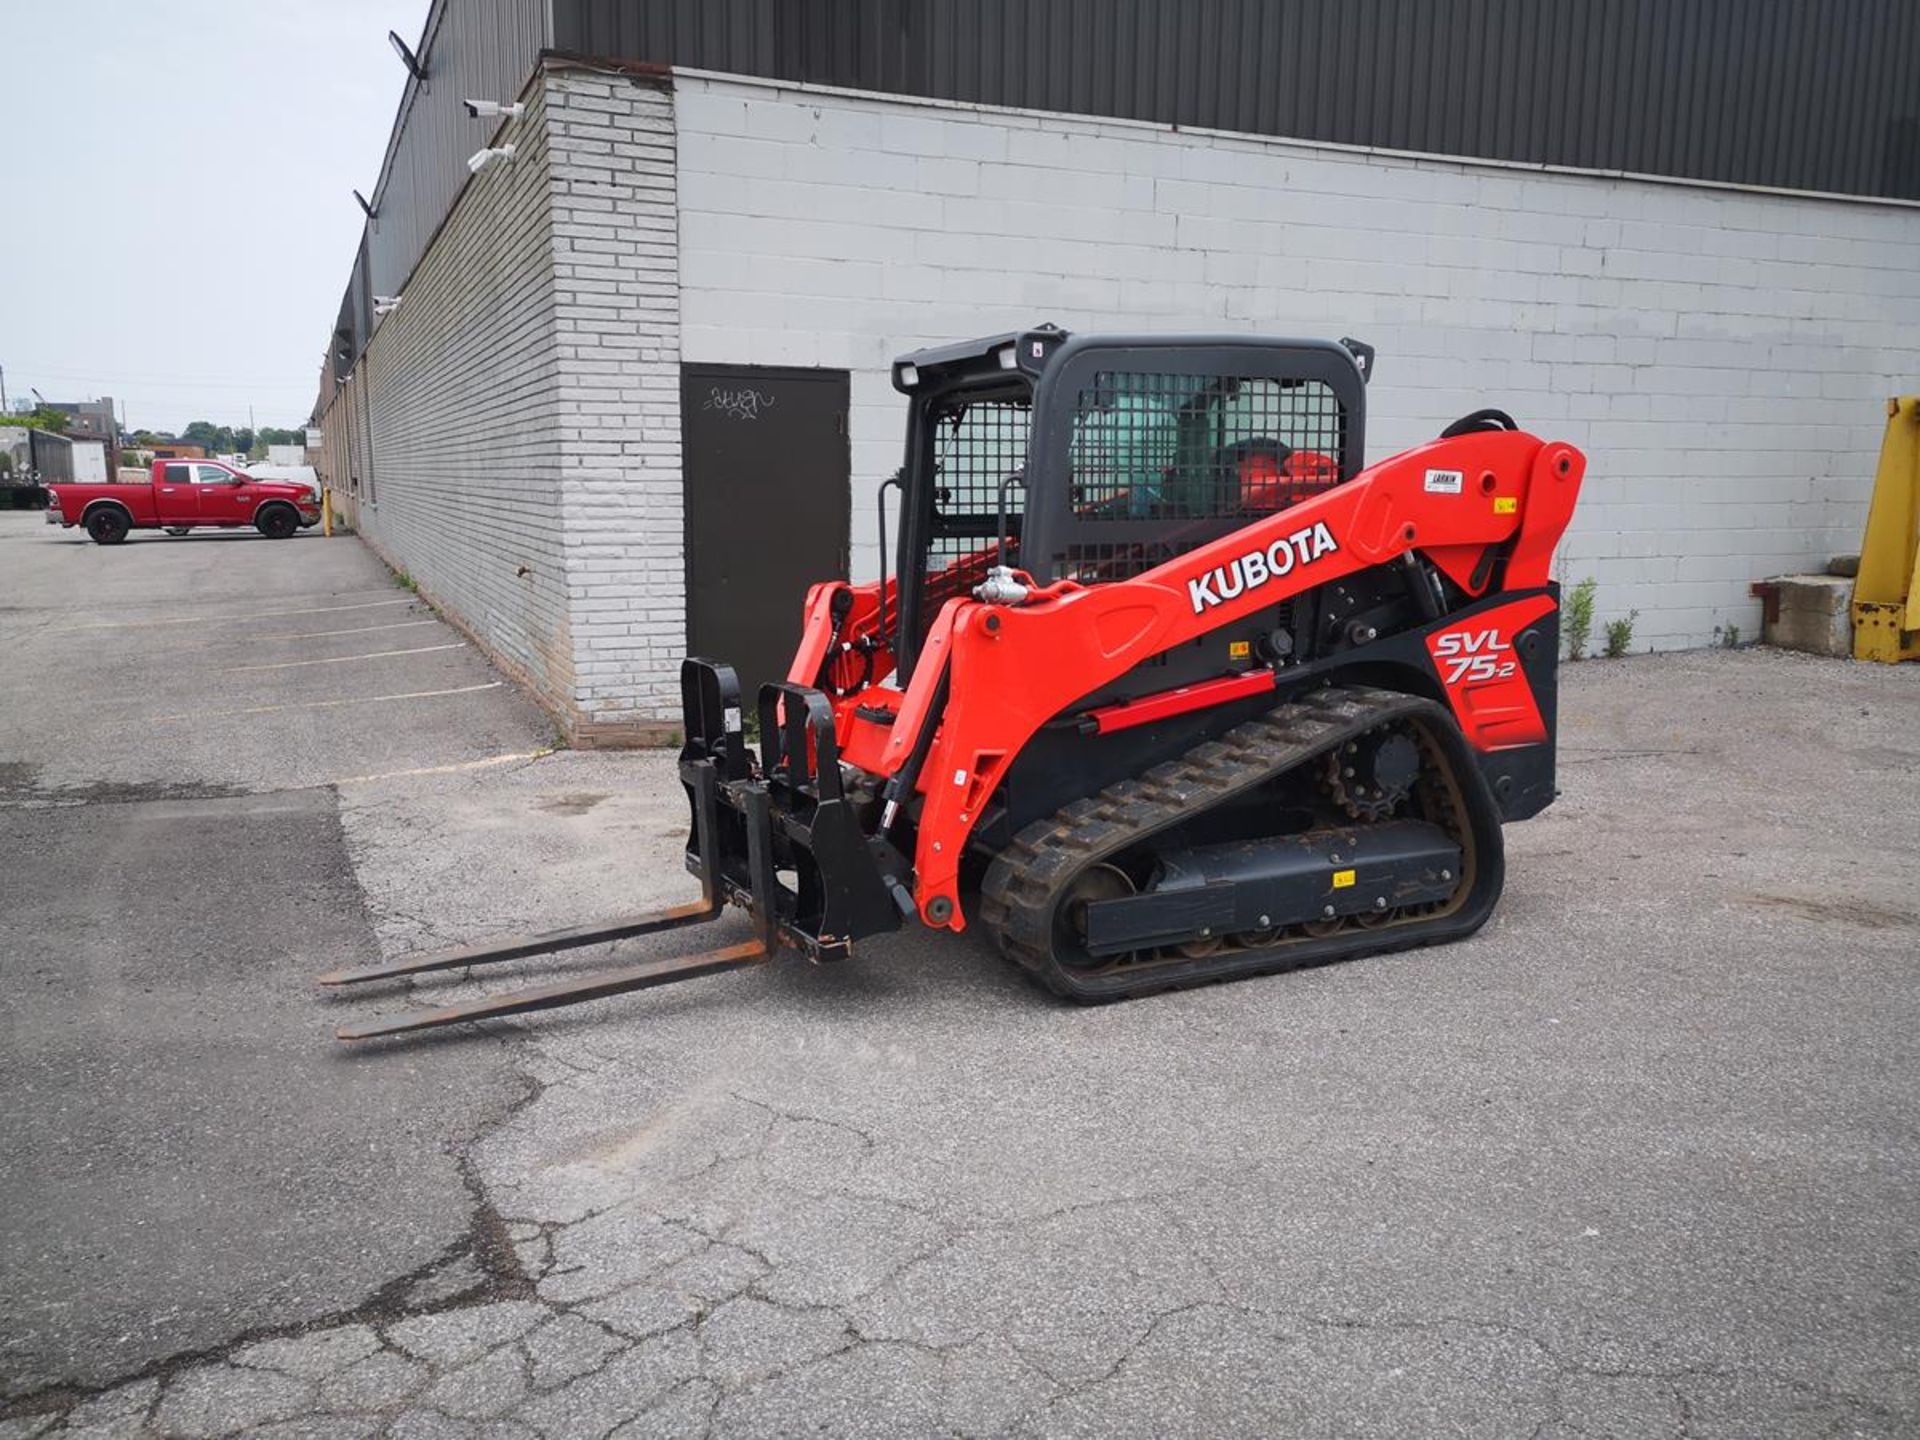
(1801, 94)
(482, 49)
(479, 48)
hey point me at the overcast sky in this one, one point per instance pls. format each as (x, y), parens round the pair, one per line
(178, 225)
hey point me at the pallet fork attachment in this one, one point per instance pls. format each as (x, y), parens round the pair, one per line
(544, 942)
(571, 992)
(747, 826)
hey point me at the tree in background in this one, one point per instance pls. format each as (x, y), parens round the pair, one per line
(230, 440)
(209, 436)
(39, 418)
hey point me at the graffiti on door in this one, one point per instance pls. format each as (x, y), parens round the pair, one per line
(738, 404)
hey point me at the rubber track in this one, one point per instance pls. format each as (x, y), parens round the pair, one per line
(1025, 882)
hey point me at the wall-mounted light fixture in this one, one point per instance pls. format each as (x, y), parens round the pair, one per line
(407, 57)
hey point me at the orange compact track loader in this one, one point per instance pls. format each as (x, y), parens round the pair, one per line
(1166, 687)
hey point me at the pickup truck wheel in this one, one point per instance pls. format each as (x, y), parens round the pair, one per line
(277, 522)
(108, 525)
(177, 529)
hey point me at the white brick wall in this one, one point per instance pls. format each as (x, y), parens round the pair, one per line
(617, 329)
(524, 407)
(460, 393)
(1721, 355)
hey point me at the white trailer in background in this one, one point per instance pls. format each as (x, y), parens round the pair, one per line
(89, 462)
(29, 459)
(41, 457)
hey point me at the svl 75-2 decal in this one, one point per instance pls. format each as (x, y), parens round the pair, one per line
(1473, 655)
(1477, 663)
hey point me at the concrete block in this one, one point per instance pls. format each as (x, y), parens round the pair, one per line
(1808, 612)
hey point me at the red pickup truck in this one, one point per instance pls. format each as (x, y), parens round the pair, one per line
(182, 495)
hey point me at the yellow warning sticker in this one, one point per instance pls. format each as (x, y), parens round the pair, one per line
(1342, 879)
(1506, 504)
(1239, 649)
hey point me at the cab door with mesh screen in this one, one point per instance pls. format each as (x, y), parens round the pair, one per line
(979, 451)
(972, 449)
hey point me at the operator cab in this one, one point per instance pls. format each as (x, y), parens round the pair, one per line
(1096, 458)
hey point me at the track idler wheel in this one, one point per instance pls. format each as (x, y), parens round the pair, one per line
(1099, 882)
(1372, 775)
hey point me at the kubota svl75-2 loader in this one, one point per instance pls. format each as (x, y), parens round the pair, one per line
(1165, 679)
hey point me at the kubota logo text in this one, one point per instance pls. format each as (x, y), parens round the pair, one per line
(1257, 567)
(1473, 656)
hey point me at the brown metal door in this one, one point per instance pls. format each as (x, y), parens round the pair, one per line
(767, 503)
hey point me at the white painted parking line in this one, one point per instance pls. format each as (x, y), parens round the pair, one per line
(325, 704)
(325, 634)
(485, 764)
(228, 644)
(232, 619)
(340, 659)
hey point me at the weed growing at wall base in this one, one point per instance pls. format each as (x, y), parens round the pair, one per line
(1578, 613)
(1620, 634)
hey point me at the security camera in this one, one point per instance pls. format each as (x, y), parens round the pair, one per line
(492, 109)
(480, 159)
(386, 304)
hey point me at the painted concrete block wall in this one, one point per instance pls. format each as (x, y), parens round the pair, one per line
(1722, 355)
(617, 346)
(460, 392)
(515, 423)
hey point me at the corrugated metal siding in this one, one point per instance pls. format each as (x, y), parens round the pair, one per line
(1804, 94)
(479, 48)
(484, 49)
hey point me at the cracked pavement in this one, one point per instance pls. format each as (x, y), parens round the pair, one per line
(1639, 1159)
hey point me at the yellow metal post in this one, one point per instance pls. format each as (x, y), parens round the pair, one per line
(1886, 594)
(326, 512)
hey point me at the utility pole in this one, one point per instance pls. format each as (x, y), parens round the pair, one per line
(3, 391)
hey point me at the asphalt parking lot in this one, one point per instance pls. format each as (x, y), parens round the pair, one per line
(1641, 1158)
